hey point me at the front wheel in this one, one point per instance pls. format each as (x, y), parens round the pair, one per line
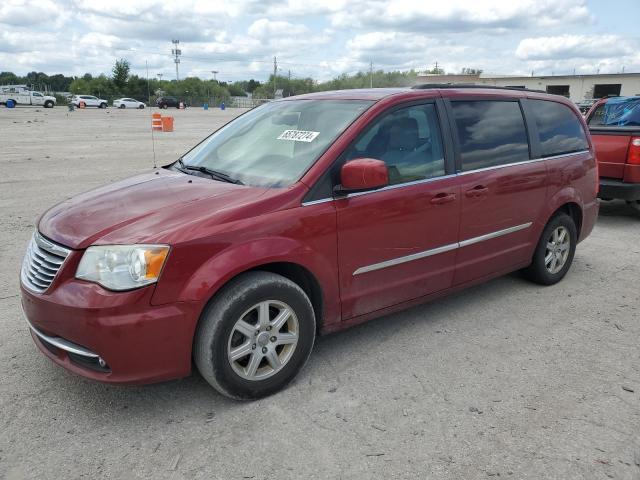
(103, 105)
(141, 107)
(255, 335)
(122, 105)
(554, 254)
(48, 104)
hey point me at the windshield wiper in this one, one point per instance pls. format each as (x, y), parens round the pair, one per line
(214, 174)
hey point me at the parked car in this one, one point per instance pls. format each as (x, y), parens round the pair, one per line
(13, 95)
(586, 104)
(88, 101)
(165, 102)
(615, 128)
(128, 103)
(304, 215)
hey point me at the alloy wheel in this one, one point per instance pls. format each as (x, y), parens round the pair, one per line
(557, 251)
(263, 340)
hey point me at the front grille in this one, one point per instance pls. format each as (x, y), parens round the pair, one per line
(42, 262)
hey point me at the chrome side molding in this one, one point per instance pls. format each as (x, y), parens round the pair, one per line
(442, 249)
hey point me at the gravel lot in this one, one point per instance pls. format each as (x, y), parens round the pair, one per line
(507, 379)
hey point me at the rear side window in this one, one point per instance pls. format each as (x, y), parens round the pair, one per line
(491, 133)
(559, 129)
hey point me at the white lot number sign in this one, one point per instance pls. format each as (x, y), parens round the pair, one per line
(298, 135)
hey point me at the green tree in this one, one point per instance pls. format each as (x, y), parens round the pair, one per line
(121, 73)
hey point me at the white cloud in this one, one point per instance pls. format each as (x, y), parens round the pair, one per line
(318, 38)
(264, 29)
(29, 13)
(574, 46)
(460, 15)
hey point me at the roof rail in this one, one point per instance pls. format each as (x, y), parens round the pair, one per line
(426, 86)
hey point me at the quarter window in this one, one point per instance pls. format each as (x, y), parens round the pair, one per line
(559, 129)
(408, 140)
(490, 133)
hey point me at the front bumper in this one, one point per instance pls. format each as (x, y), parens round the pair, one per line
(112, 337)
(611, 188)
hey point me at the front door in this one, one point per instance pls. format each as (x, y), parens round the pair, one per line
(399, 243)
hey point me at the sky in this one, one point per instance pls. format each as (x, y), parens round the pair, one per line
(319, 38)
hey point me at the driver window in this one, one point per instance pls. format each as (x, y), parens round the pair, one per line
(408, 140)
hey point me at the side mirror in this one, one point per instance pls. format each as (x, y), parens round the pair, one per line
(362, 174)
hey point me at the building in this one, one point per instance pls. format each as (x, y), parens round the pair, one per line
(575, 87)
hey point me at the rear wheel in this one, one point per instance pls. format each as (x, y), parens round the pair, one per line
(255, 336)
(554, 254)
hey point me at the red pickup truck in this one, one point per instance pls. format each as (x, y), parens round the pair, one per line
(615, 130)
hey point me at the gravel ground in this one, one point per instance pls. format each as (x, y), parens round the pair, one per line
(507, 379)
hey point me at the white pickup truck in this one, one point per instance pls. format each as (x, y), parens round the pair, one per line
(12, 95)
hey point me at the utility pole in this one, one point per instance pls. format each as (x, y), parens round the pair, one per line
(159, 75)
(176, 52)
(370, 74)
(146, 63)
(214, 74)
(275, 73)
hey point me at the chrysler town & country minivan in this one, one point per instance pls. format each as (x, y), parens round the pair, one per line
(307, 215)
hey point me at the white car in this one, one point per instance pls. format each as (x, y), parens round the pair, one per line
(88, 101)
(128, 103)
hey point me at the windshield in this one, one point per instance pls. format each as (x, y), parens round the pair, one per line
(273, 145)
(617, 112)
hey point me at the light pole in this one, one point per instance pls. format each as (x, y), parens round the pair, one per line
(159, 76)
(214, 74)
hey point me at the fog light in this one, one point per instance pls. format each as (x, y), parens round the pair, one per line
(101, 362)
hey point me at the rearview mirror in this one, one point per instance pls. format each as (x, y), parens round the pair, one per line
(362, 174)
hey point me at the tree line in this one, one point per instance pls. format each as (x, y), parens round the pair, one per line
(195, 91)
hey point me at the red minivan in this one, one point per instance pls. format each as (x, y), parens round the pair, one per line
(307, 215)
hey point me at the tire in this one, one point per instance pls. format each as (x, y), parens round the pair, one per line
(122, 106)
(103, 105)
(164, 106)
(48, 104)
(82, 105)
(234, 311)
(141, 107)
(561, 235)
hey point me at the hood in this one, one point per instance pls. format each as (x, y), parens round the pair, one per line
(148, 208)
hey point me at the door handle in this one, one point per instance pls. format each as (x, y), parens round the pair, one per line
(442, 198)
(477, 191)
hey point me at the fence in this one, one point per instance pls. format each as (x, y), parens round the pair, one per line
(247, 102)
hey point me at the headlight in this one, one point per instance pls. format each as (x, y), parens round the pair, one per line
(122, 267)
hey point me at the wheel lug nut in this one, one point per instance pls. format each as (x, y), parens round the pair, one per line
(264, 349)
(253, 347)
(269, 328)
(273, 339)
